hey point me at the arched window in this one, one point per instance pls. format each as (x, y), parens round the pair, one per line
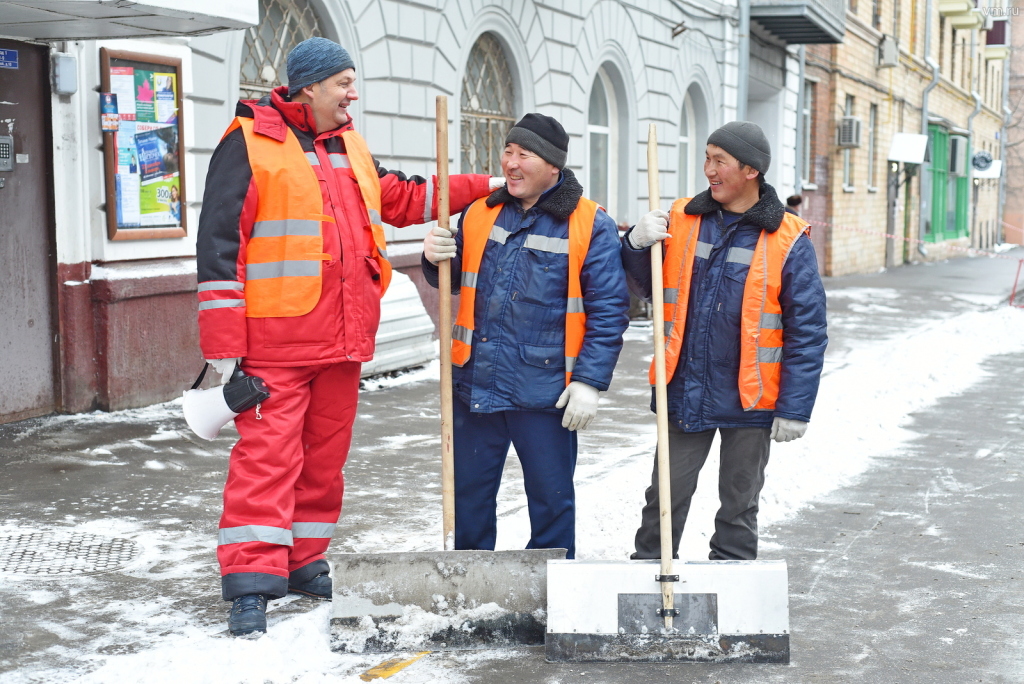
(283, 25)
(603, 141)
(488, 107)
(687, 149)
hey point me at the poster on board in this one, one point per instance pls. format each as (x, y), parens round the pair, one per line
(109, 119)
(146, 178)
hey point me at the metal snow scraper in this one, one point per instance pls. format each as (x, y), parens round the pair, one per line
(629, 610)
(446, 599)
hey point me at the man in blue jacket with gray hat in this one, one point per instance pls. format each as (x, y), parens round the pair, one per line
(744, 335)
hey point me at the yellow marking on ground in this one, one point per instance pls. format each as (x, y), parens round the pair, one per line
(390, 667)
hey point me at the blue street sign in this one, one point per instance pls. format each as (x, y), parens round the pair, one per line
(8, 59)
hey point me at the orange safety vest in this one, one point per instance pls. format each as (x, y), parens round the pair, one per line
(761, 339)
(285, 248)
(476, 229)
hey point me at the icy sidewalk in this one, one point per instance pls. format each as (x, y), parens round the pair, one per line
(900, 342)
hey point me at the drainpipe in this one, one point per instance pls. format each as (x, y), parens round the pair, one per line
(926, 178)
(798, 184)
(1007, 114)
(743, 66)
(975, 238)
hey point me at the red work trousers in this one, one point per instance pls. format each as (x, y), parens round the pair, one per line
(283, 494)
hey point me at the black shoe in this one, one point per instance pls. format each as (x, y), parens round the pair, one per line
(248, 615)
(636, 555)
(319, 587)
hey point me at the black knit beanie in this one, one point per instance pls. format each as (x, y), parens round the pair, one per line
(745, 141)
(543, 136)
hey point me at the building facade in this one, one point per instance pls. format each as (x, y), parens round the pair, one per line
(1013, 218)
(107, 307)
(933, 70)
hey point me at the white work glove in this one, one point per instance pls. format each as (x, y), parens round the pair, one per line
(495, 183)
(582, 405)
(224, 366)
(652, 227)
(786, 430)
(439, 245)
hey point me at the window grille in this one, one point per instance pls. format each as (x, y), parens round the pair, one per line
(283, 25)
(488, 107)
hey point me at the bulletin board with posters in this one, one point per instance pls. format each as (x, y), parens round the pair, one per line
(144, 158)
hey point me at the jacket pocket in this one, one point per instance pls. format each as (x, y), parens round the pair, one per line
(543, 278)
(371, 296)
(541, 376)
(318, 328)
(725, 319)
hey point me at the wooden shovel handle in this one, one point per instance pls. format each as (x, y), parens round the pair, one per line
(444, 290)
(660, 392)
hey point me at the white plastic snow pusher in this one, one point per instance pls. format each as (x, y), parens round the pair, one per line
(608, 611)
(444, 599)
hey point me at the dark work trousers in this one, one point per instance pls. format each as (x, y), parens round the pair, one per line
(744, 456)
(547, 453)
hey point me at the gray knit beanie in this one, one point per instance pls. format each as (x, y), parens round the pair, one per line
(745, 141)
(313, 60)
(543, 136)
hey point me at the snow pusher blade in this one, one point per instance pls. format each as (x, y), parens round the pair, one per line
(609, 611)
(440, 600)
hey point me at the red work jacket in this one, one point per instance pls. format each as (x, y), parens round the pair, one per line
(343, 324)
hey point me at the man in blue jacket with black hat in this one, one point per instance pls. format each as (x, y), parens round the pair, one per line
(745, 335)
(542, 310)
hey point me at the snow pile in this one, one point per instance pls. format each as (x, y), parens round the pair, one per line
(293, 650)
(410, 630)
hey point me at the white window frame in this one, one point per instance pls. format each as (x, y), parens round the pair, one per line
(872, 147)
(848, 152)
(612, 132)
(688, 149)
(808, 121)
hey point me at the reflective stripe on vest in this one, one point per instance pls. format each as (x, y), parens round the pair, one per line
(477, 228)
(761, 339)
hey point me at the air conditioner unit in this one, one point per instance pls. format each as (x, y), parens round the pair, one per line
(848, 132)
(987, 26)
(958, 155)
(888, 52)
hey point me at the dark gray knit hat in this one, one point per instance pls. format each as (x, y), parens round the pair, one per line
(313, 60)
(543, 136)
(745, 141)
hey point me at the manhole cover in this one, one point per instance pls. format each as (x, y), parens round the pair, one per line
(60, 553)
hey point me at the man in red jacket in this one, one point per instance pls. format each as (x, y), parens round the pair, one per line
(292, 265)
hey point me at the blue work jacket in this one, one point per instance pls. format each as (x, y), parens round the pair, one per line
(704, 391)
(518, 355)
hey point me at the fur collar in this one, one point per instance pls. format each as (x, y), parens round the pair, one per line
(766, 214)
(559, 203)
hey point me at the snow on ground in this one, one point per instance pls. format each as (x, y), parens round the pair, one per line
(863, 410)
(868, 395)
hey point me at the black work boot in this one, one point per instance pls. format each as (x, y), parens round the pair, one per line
(248, 615)
(313, 580)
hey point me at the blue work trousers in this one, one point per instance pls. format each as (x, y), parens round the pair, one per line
(547, 453)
